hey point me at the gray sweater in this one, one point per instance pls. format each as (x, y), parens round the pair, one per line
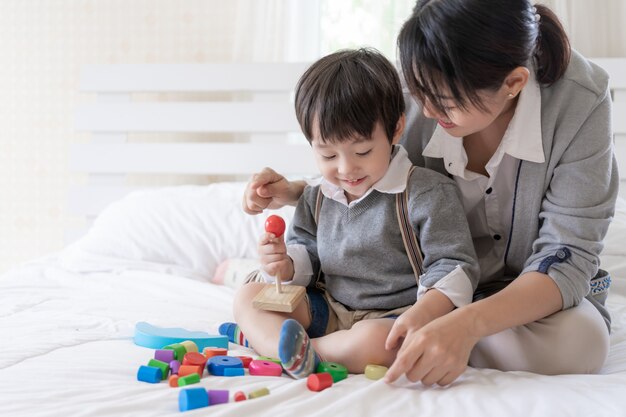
(360, 249)
(562, 207)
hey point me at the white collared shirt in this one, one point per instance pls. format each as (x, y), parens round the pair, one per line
(488, 200)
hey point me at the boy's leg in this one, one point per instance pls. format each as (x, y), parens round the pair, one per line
(359, 346)
(572, 341)
(260, 327)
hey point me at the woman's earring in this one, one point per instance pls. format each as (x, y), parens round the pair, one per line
(511, 95)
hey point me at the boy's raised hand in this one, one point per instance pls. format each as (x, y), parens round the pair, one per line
(273, 256)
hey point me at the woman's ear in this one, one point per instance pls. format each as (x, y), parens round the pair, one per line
(515, 81)
(397, 134)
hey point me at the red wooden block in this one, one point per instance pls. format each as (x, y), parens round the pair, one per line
(194, 358)
(319, 382)
(240, 396)
(245, 360)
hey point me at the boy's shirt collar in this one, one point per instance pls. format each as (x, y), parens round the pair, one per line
(522, 139)
(393, 182)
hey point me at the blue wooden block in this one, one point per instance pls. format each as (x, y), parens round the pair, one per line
(154, 337)
(218, 364)
(192, 398)
(150, 374)
(234, 372)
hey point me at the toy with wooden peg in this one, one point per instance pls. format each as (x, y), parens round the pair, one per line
(278, 298)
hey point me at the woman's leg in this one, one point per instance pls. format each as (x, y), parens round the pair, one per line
(572, 341)
(261, 327)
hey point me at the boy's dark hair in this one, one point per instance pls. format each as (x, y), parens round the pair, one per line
(346, 93)
(470, 45)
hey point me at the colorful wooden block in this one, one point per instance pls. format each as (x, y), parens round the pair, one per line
(164, 355)
(179, 350)
(319, 382)
(194, 358)
(173, 381)
(375, 371)
(234, 372)
(217, 364)
(165, 367)
(259, 393)
(150, 374)
(174, 365)
(190, 345)
(267, 358)
(192, 398)
(239, 396)
(188, 380)
(155, 337)
(185, 370)
(217, 396)
(264, 368)
(209, 352)
(245, 359)
(337, 371)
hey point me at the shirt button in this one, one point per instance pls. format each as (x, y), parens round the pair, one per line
(560, 254)
(488, 190)
(497, 237)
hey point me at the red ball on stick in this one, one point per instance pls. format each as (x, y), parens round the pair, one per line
(275, 224)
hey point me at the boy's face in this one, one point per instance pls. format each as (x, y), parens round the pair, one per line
(356, 164)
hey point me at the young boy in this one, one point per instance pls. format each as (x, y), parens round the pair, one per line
(347, 241)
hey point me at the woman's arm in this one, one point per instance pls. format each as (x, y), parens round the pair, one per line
(269, 189)
(438, 352)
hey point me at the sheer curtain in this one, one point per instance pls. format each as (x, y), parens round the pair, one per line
(596, 28)
(276, 30)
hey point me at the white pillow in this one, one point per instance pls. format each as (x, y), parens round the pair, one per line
(185, 230)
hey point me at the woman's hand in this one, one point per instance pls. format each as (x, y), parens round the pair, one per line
(269, 189)
(436, 353)
(273, 256)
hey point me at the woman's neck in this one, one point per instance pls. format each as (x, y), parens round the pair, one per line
(481, 146)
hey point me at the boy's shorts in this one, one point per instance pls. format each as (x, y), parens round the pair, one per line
(329, 315)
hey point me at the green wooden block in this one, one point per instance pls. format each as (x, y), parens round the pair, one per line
(179, 351)
(337, 371)
(164, 367)
(267, 358)
(188, 380)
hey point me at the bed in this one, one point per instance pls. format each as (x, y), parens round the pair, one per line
(166, 255)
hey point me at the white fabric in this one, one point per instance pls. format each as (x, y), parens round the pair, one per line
(186, 231)
(488, 200)
(67, 351)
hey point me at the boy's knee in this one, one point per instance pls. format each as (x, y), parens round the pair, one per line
(245, 294)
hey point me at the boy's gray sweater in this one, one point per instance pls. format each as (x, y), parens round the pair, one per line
(360, 248)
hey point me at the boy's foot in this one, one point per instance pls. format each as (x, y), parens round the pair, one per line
(295, 350)
(234, 334)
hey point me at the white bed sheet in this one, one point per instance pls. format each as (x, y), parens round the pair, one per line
(66, 350)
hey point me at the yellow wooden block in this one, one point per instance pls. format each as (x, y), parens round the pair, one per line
(375, 371)
(285, 301)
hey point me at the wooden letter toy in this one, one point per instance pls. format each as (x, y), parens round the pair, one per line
(192, 398)
(265, 368)
(337, 371)
(217, 364)
(149, 374)
(154, 337)
(375, 371)
(279, 298)
(319, 382)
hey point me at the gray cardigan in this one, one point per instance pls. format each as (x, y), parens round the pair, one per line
(562, 207)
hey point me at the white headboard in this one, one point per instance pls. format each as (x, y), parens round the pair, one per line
(245, 110)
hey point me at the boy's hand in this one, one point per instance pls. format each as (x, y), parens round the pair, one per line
(274, 258)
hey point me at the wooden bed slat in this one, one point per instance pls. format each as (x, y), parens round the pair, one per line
(255, 77)
(205, 159)
(258, 117)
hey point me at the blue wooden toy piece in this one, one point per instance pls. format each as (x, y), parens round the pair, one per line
(154, 337)
(192, 398)
(149, 374)
(218, 364)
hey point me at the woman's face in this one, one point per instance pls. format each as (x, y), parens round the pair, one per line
(461, 122)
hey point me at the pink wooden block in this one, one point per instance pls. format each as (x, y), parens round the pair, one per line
(265, 368)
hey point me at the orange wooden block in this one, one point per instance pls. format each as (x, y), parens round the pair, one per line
(173, 381)
(209, 352)
(185, 370)
(245, 360)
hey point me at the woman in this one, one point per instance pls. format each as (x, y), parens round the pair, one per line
(501, 104)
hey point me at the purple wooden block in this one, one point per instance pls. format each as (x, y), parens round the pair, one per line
(164, 355)
(174, 365)
(217, 396)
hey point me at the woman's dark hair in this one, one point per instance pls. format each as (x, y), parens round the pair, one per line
(451, 49)
(347, 93)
